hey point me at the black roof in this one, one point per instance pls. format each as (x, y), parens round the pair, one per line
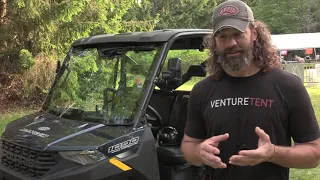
(151, 36)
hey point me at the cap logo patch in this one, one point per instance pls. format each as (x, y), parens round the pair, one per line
(228, 10)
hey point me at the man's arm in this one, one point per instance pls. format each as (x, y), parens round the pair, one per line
(190, 149)
(303, 128)
(302, 155)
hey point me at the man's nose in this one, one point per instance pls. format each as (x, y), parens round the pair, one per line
(231, 42)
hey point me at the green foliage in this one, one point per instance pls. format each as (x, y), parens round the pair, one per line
(49, 27)
(26, 61)
(37, 80)
(315, 15)
(34, 29)
(287, 16)
(281, 16)
(140, 18)
(184, 13)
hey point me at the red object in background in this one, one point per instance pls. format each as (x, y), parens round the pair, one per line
(308, 51)
(284, 52)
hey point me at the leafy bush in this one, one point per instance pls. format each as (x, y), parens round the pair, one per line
(26, 61)
(38, 79)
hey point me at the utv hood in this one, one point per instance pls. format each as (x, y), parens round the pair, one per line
(43, 131)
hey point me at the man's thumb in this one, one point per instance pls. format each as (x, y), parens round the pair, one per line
(263, 135)
(219, 138)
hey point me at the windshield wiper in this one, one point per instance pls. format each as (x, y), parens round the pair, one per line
(109, 52)
(66, 109)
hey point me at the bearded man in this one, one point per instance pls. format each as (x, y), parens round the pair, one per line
(243, 117)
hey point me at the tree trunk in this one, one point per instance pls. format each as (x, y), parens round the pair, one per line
(3, 10)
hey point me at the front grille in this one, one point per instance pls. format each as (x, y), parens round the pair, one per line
(26, 161)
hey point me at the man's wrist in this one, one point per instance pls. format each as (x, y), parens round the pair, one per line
(273, 154)
(198, 150)
(198, 155)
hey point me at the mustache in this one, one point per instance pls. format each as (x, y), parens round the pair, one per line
(229, 50)
(232, 50)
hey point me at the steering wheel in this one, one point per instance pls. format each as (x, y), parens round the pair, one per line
(155, 121)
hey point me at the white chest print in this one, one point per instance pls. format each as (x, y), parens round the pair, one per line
(242, 101)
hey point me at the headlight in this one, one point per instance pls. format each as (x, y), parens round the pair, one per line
(83, 157)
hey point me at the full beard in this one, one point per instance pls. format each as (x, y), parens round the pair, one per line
(232, 64)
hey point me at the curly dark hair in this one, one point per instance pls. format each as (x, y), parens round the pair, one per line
(264, 53)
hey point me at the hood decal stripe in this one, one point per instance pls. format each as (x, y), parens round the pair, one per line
(75, 134)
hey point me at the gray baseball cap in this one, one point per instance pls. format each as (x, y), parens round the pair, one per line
(232, 13)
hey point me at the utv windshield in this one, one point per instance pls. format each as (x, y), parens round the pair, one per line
(102, 84)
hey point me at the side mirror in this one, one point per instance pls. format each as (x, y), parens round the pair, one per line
(174, 64)
(58, 66)
(173, 74)
(172, 77)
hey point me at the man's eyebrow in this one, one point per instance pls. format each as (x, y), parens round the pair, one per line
(219, 32)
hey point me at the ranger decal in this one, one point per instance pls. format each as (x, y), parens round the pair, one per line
(34, 132)
(123, 145)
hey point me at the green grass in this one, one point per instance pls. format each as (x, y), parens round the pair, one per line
(6, 118)
(314, 93)
(295, 174)
(305, 174)
(309, 174)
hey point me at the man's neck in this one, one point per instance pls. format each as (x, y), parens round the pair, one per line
(248, 71)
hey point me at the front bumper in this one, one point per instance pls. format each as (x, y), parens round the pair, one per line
(67, 170)
(22, 163)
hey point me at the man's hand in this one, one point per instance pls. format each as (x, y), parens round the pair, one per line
(208, 151)
(263, 153)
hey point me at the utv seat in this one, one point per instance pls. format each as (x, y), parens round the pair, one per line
(172, 154)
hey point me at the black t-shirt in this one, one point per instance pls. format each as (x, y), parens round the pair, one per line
(276, 101)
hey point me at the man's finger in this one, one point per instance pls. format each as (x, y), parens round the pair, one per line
(222, 165)
(218, 164)
(240, 160)
(264, 136)
(213, 161)
(219, 138)
(215, 164)
(250, 153)
(211, 149)
(236, 158)
(239, 163)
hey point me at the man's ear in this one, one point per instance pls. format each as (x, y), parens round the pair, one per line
(254, 34)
